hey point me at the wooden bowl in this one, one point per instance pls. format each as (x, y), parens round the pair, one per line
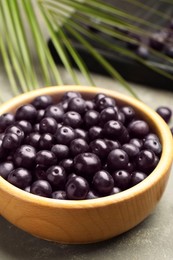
(88, 221)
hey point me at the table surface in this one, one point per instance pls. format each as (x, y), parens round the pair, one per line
(152, 239)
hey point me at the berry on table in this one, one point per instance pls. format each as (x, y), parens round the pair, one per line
(165, 113)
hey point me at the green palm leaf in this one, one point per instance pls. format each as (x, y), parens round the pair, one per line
(21, 31)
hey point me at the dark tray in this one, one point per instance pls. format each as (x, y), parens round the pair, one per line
(130, 69)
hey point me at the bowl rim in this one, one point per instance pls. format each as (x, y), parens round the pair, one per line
(162, 168)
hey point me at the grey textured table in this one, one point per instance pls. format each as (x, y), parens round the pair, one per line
(152, 239)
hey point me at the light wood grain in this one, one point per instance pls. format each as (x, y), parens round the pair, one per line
(90, 220)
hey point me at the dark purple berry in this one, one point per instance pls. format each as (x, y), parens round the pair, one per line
(121, 117)
(91, 118)
(98, 97)
(67, 164)
(59, 125)
(59, 195)
(13, 129)
(40, 172)
(131, 149)
(25, 156)
(20, 178)
(26, 112)
(65, 135)
(40, 115)
(70, 94)
(92, 195)
(138, 128)
(130, 167)
(77, 104)
(64, 105)
(137, 177)
(78, 146)
(117, 159)
(153, 145)
(10, 141)
(165, 113)
(6, 168)
(61, 151)
(77, 188)
(6, 120)
(95, 132)
(112, 145)
(28, 189)
(45, 158)
(100, 148)
(48, 125)
(81, 133)
(122, 179)
(3, 152)
(89, 105)
(113, 129)
(41, 188)
(33, 139)
(56, 176)
(56, 112)
(137, 142)
(42, 102)
(71, 176)
(73, 119)
(36, 127)
(124, 137)
(156, 161)
(145, 160)
(25, 126)
(46, 141)
(129, 113)
(107, 114)
(105, 102)
(103, 183)
(115, 190)
(157, 41)
(151, 136)
(87, 164)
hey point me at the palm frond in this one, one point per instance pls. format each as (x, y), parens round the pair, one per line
(78, 19)
(64, 21)
(47, 64)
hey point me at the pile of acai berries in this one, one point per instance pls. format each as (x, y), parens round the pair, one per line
(77, 148)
